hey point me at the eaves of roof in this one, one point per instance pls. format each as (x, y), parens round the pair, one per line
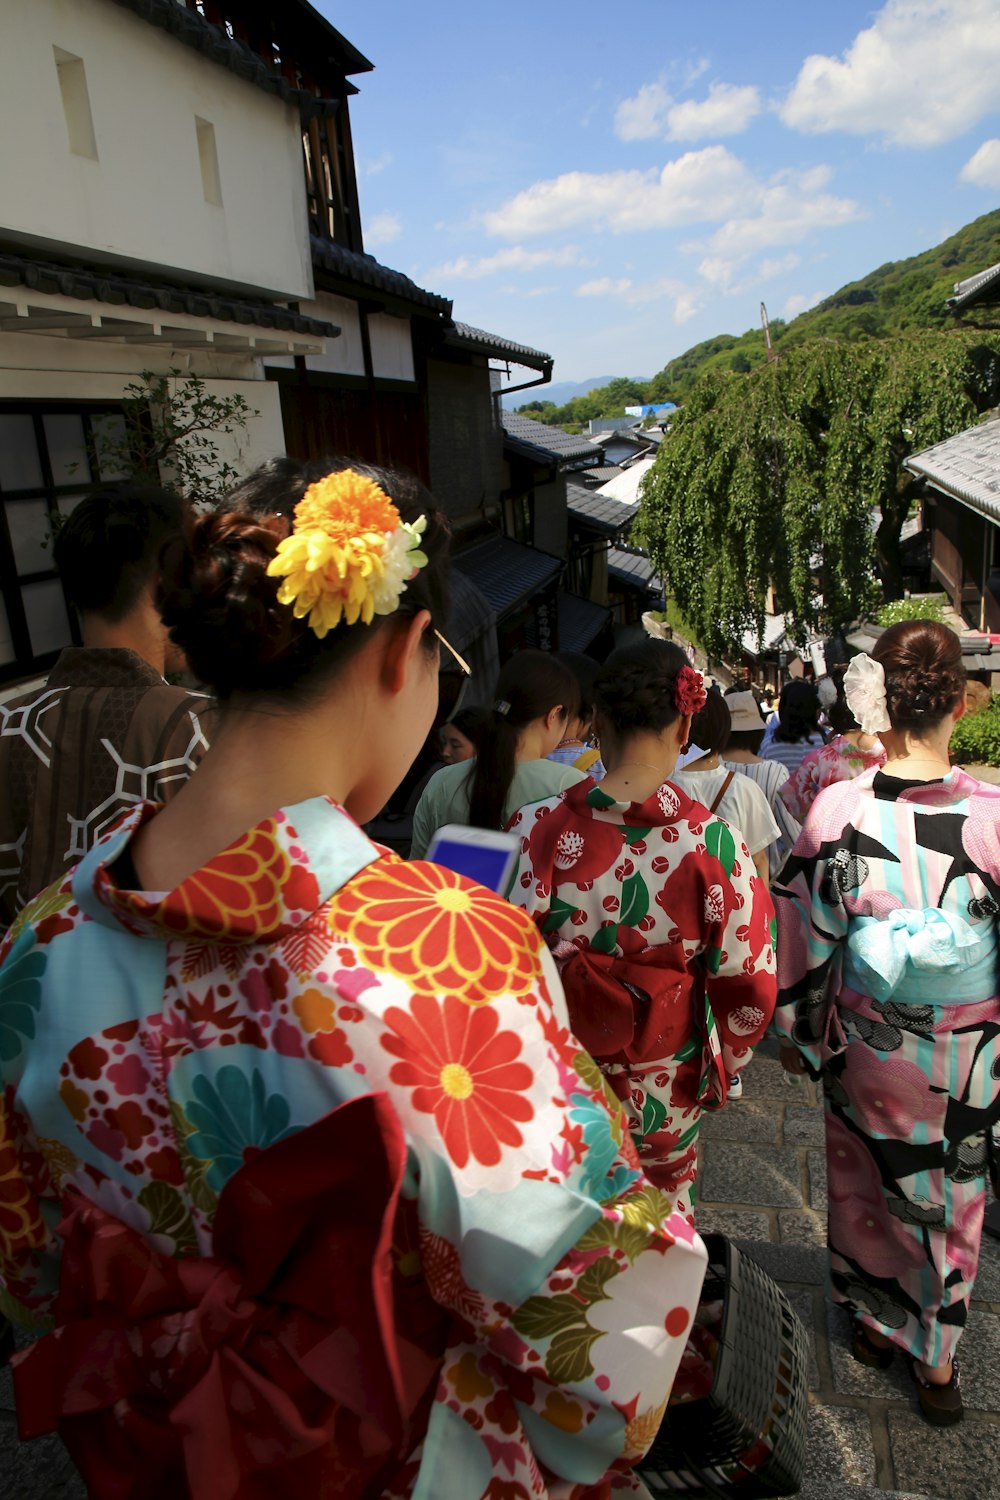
(356, 270)
(216, 45)
(966, 467)
(562, 445)
(508, 573)
(634, 570)
(530, 451)
(478, 341)
(100, 284)
(975, 288)
(580, 621)
(600, 512)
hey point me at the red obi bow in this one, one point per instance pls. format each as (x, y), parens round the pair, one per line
(647, 1007)
(274, 1367)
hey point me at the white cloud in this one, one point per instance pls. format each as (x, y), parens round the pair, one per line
(698, 187)
(378, 164)
(788, 211)
(769, 268)
(924, 72)
(728, 110)
(644, 115)
(604, 286)
(382, 229)
(652, 112)
(515, 258)
(686, 307)
(798, 304)
(635, 293)
(983, 168)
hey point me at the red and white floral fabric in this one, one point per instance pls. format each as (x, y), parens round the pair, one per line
(659, 884)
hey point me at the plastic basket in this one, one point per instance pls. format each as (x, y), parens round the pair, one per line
(747, 1437)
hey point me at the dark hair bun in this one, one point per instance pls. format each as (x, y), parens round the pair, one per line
(924, 674)
(221, 607)
(635, 687)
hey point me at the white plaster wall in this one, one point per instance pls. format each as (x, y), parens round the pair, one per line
(344, 355)
(390, 338)
(392, 346)
(143, 198)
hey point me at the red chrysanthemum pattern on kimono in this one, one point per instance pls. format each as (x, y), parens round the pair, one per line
(438, 931)
(248, 888)
(464, 1071)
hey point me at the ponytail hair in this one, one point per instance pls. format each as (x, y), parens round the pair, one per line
(529, 685)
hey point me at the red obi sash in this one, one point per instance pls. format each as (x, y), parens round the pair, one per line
(291, 1361)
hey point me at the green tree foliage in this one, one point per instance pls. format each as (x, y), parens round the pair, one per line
(772, 477)
(172, 426)
(921, 608)
(976, 740)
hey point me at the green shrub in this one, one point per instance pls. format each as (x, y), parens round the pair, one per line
(976, 740)
(931, 608)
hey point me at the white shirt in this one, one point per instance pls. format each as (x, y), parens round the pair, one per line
(743, 804)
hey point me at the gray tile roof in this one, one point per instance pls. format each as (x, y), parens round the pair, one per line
(580, 621)
(966, 467)
(462, 336)
(984, 286)
(507, 573)
(561, 445)
(633, 569)
(102, 284)
(601, 512)
(364, 270)
(600, 474)
(318, 41)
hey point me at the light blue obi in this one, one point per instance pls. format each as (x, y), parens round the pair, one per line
(933, 956)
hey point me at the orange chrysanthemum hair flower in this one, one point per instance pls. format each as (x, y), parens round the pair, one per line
(350, 555)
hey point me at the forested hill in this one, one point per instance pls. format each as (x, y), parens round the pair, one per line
(901, 295)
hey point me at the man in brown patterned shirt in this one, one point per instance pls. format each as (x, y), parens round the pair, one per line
(106, 730)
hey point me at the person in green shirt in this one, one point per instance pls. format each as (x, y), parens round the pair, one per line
(536, 696)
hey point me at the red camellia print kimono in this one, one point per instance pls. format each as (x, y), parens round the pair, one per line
(664, 934)
(341, 1206)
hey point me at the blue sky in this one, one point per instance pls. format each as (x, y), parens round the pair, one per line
(612, 186)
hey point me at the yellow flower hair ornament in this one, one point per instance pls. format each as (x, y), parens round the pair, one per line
(350, 555)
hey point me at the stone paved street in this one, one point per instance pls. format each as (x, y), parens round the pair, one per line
(763, 1183)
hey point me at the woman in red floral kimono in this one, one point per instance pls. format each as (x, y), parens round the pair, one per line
(339, 1201)
(660, 923)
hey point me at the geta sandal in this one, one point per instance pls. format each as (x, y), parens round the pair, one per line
(940, 1405)
(867, 1352)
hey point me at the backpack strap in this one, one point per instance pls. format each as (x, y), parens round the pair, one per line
(723, 789)
(585, 760)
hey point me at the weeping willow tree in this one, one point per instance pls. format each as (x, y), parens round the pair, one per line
(772, 478)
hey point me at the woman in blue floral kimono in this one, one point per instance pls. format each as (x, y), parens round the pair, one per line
(888, 987)
(297, 1150)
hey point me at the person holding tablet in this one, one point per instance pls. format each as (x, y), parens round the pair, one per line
(342, 1207)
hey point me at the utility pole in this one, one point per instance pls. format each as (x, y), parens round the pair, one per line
(772, 353)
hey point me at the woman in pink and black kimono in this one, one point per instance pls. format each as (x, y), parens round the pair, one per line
(887, 958)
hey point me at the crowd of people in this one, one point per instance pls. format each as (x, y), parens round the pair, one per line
(224, 1006)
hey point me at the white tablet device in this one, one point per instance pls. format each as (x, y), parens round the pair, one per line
(478, 853)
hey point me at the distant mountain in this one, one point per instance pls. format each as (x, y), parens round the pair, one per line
(559, 393)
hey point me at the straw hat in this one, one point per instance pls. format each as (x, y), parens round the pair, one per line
(744, 711)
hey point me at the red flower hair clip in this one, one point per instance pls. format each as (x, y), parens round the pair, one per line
(690, 693)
